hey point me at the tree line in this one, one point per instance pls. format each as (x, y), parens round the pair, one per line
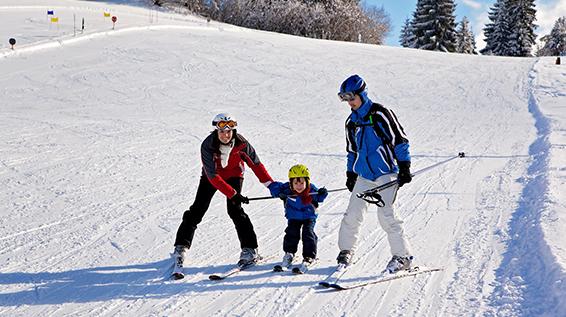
(511, 31)
(432, 26)
(342, 20)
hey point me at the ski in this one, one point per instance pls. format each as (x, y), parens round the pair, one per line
(335, 276)
(280, 268)
(285, 264)
(384, 277)
(177, 275)
(234, 270)
(303, 267)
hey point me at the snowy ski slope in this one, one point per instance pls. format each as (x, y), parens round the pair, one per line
(99, 157)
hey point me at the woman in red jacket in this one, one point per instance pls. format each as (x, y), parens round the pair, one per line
(223, 154)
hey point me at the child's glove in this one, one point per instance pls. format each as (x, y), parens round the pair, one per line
(322, 191)
(283, 197)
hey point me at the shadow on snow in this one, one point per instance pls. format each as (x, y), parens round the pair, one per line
(131, 282)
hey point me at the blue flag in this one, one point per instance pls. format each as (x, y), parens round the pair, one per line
(49, 12)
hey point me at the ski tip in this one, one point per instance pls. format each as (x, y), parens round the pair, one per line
(177, 276)
(336, 286)
(324, 284)
(214, 277)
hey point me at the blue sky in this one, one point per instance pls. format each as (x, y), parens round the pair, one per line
(548, 11)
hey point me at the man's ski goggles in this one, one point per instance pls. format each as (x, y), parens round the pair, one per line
(346, 96)
(226, 125)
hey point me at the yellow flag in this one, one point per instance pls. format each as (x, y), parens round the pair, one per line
(106, 14)
(54, 20)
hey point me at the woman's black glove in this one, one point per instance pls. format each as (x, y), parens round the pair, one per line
(404, 175)
(322, 191)
(351, 178)
(239, 199)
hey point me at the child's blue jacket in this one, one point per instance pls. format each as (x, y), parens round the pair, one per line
(294, 206)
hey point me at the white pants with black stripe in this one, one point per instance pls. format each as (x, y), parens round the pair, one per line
(389, 221)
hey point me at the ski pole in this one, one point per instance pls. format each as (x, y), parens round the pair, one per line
(261, 198)
(270, 197)
(372, 195)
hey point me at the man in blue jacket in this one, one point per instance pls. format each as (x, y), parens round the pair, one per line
(378, 152)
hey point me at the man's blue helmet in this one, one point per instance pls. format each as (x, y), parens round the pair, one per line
(353, 85)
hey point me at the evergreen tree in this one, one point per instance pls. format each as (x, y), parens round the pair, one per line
(555, 42)
(434, 25)
(502, 30)
(415, 32)
(465, 42)
(490, 27)
(521, 34)
(406, 34)
(511, 30)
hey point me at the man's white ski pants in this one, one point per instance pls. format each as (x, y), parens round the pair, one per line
(391, 224)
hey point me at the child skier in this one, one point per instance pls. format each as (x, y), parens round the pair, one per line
(301, 199)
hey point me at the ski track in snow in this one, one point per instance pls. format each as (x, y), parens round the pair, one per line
(99, 158)
(529, 281)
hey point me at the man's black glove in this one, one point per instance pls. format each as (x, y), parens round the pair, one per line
(351, 180)
(404, 175)
(239, 199)
(282, 196)
(322, 191)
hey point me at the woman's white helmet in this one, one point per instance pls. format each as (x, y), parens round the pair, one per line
(224, 121)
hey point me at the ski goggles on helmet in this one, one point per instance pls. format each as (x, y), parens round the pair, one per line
(346, 96)
(226, 125)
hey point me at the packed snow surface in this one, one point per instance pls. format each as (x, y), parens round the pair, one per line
(100, 134)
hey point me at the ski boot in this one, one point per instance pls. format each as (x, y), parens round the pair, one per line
(178, 258)
(345, 257)
(248, 257)
(399, 263)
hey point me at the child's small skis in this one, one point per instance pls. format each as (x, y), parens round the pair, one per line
(281, 268)
(304, 267)
(285, 264)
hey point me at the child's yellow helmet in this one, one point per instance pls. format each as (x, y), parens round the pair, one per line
(299, 170)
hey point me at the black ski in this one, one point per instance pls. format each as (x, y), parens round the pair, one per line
(280, 268)
(178, 275)
(303, 267)
(234, 270)
(335, 276)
